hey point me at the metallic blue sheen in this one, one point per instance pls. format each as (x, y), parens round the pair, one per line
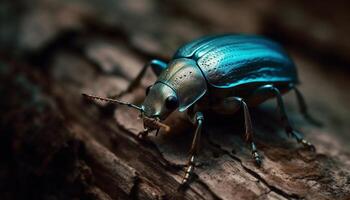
(233, 60)
(158, 66)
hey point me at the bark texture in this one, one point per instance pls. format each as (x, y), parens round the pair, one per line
(55, 145)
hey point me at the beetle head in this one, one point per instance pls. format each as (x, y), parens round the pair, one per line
(178, 87)
(160, 101)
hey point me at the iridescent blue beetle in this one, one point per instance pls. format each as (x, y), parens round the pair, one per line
(224, 74)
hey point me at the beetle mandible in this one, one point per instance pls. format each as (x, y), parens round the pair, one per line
(220, 73)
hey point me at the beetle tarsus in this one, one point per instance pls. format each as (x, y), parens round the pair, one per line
(302, 141)
(256, 155)
(189, 171)
(308, 145)
(257, 158)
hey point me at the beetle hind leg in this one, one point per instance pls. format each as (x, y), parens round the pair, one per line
(303, 107)
(284, 118)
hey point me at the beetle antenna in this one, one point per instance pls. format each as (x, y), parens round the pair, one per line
(92, 97)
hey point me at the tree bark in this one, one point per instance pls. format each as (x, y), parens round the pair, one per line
(56, 145)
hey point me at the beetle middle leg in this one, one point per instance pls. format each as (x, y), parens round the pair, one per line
(157, 67)
(249, 133)
(270, 89)
(233, 104)
(198, 120)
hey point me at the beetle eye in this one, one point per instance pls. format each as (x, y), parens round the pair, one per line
(148, 89)
(171, 102)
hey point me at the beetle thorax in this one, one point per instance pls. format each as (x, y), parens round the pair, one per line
(186, 79)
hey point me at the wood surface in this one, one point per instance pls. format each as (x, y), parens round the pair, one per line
(56, 145)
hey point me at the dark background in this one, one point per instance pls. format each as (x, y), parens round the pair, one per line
(54, 145)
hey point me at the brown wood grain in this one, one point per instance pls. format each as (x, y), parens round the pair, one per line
(56, 145)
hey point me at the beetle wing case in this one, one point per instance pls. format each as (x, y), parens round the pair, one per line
(186, 79)
(232, 60)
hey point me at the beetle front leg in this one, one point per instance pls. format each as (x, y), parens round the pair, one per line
(198, 118)
(157, 67)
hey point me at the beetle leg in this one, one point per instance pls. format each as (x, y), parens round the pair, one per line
(249, 132)
(284, 118)
(194, 148)
(156, 65)
(303, 107)
(231, 105)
